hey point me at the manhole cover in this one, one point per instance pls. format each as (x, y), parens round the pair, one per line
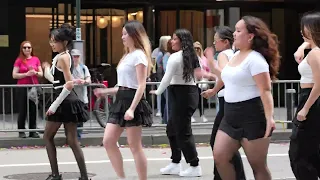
(42, 176)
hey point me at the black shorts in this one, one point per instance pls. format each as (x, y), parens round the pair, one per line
(244, 119)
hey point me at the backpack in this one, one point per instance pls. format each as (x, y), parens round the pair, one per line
(160, 69)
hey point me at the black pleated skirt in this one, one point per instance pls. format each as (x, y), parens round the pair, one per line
(142, 113)
(72, 109)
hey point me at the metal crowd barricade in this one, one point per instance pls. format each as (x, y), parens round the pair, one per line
(10, 110)
(285, 94)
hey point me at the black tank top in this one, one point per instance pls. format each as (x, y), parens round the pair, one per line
(58, 74)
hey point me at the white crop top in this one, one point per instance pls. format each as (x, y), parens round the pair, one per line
(229, 53)
(305, 71)
(174, 73)
(126, 71)
(238, 80)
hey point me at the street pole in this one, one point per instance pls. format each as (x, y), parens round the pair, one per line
(78, 43)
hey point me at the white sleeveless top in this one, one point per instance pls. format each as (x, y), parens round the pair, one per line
(229, 53)
(305, 71)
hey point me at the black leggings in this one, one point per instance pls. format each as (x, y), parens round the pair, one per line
(49, 134)
(183, 103)
(22, 103)
(236, 160)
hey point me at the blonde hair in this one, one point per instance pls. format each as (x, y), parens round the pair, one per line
(198, 45)
(163, 42)
(141, 41)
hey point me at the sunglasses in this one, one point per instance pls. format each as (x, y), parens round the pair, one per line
(26, 47)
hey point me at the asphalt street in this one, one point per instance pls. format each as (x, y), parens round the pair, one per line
(32, 163)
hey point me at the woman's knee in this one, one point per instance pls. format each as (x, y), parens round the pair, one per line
(135, 146)
(109, 142)
(48, 137)
(221, 157)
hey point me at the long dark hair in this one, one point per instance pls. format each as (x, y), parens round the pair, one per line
(189, 55)
(311, 21)
(264, 42)
(64, 33)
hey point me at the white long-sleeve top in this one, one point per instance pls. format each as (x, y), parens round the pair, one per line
(174, 73)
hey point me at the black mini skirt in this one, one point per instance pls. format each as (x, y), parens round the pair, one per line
(142, 113)
(72, 109)
(244, 119)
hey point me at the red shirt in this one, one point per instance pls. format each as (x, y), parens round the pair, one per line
(34, 63)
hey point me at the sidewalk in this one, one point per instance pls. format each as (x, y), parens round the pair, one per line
(155, 135)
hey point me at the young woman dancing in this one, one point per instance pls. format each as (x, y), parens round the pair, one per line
(67, 108)
(248, 119)
(130, 111)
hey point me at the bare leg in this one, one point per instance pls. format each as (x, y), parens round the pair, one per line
(256, 152)
(49, 133)
(224, 149)
(111, 136)
(134, 141)
(71, 129)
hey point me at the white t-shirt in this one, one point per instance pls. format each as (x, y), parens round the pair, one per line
(81, 72)
(238, 80)
(174, 72)
(126, 71)
(229, 53)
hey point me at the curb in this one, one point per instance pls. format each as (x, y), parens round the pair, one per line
(147, 139)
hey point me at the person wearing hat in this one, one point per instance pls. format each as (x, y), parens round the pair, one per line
(81, 76)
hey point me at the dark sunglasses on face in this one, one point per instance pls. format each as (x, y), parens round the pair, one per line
(26, 47)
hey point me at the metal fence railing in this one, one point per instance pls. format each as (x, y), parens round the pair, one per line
(285, 94)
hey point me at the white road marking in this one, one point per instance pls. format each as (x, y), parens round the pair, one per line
(108, 161)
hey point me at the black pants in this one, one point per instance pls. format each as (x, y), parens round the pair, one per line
(22, 103)
(183, 103)
(236, 160)
(305, 142)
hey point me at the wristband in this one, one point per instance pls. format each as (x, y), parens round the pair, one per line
(64, 93)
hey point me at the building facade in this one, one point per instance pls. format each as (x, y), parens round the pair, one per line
(102, 20)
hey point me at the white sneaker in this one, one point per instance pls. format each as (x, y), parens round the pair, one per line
(192, 172)
(204, 119)
(171, 169)
(193, 120)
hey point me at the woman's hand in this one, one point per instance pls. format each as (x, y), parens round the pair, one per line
(152, 92)
(31, 72)
(271, 125)
(100, 92)
(49, 112)
(299, 55)
(302, 114)
(79, 81)
(208, 93)
(45, 65)
(129, 115)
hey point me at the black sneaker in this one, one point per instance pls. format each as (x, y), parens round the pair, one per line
(54, 177)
